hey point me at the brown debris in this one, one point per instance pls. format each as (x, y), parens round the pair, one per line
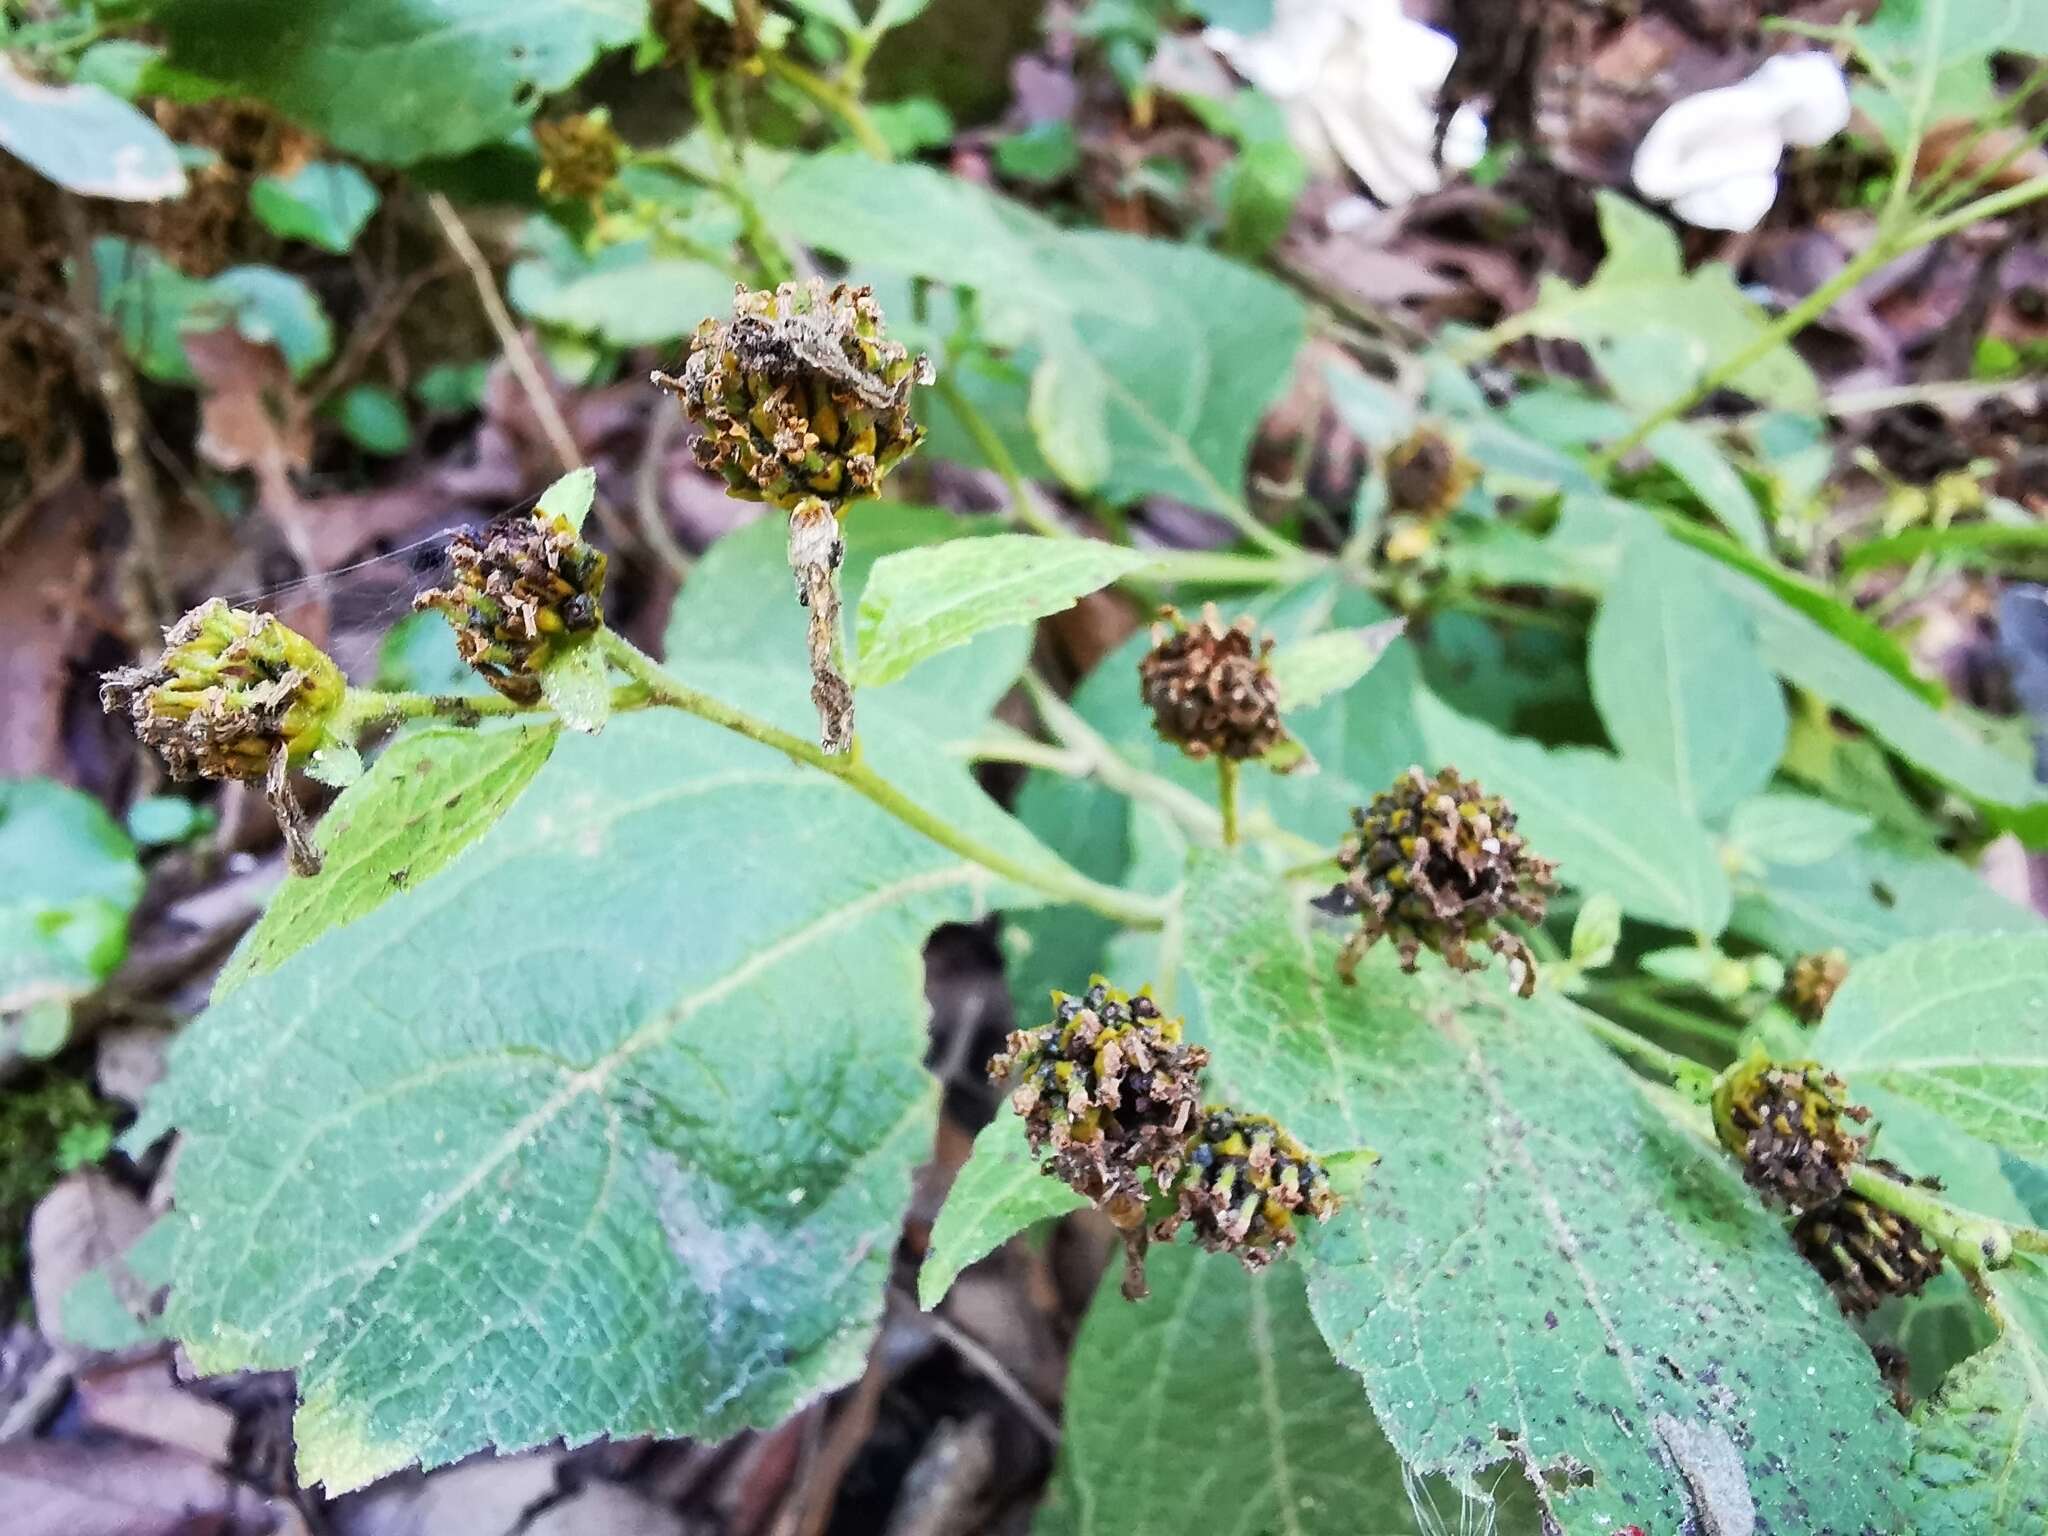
(1210, 689)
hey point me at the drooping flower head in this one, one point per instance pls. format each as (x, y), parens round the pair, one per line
(1210, 688)
(1788, 1123)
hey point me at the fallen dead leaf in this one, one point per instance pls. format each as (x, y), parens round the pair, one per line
(63, 1488)
(86, 1222)
(484, 1496)
(140, 1399)
(606, 1509)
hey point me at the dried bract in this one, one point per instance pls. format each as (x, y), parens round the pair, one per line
(579, 156)
(1426, 475)
(518, 594)
(1210, 689)
(1866, 1253)
(800, 395)
(1813, 981)
(1435, 864)
(1786, 1122)
(233, 690)
(1241, 1184)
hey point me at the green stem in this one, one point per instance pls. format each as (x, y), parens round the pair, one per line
(1976, 1243)
(368, 707)
(1639, 1000)
(1879, 252)
(769, 257)
(834, 98)
(1058, 881)
(1679, 1071)
(1226, 798)
(1023, 508)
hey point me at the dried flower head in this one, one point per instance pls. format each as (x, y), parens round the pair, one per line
(232, 691)
(1434, 864)
(1426, 475)
(519, 594)
(800, 395)
(1110, 1088)
(1865, 1252)
(1210, 689)
(696, 34)
(1786, 1121)
(579, 156)
(1240, 1185)
(1813, 981)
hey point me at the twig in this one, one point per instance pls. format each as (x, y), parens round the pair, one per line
(977, 1355)
(368, 336)
(648, 504)
(146, 589)
(810, 1506)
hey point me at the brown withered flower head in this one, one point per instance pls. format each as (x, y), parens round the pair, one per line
(518, 594)
(1427, 475)
(1107, 1090)
(1435, 863)
(233, 690)
(696, 34)
(1866, 1253)
(1241, 1184)
(1788, 1123)
(800, 395)
(579, 156)
(1812, 982)
(1209, 687)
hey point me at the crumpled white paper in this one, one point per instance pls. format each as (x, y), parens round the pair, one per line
(1359, 84)
(1714, 157)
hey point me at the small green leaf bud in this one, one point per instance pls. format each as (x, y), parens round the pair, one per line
(1785, 1122)
(1434, 864)
(519, 594)
(233, 690)
(801, 395)
(1210, 688)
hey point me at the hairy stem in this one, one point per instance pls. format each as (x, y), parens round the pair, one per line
(835, 99)
(1226, 798)
(1976, 1243)
(1059, 881)
(1680, 1071)
(771, 261)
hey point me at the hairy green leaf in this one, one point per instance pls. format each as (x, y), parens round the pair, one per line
(1069, 412)
(1954, 1023)
(399, 80)
(920, 602)
(629, 299)
(427, 798)
(1542, 1267)
(1980, 1448)
(323, 202)
(1309, 671)
(1610, 825)
(1689, 453)
(1214, 1406)
(998, 1192)
(1870, 895)
(1973, 544)
(87, 139)
(1788, 830)
(606, 1130)
(1681, 683)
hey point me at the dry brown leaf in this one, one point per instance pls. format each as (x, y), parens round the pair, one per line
(140, 1399)
(606, 1509)
(86, 1222)
(484, 1496)
(62, 1488)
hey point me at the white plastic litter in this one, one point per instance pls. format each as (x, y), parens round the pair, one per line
(1359, 83)
(1714, 156)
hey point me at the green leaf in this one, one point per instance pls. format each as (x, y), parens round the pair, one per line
(635, 1167)
(1041, 154)
(1788, 830)
(840, 13)
(1689, 453)
(1585, 1290)
(896, 13)
(431, 794)
(374, 419)
(1258, 191)
(164, 821)
(1309, 671)
(1681, 683)
(399, 80)
(1215, 1407)
(1069, 414)
(1610, 825)
(578, 687)
(277, 308)
(1656, 329)
(71, 881)
(570, 498)
(1869, 896)
(632, 303)
(86, 139)
(324, 202)
(1952, 1023)
(998, 1192)
(1980, 1448)
(924, 601)
(738, 607)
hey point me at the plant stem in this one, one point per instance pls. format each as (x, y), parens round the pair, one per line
(1976, 1243)
(1023, 507)
(1226, 798)
(834, 98)
(1680, 1071)
(771, 261)
(1059, 881)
